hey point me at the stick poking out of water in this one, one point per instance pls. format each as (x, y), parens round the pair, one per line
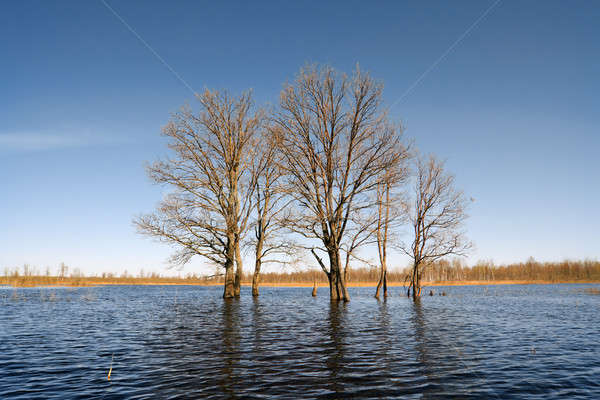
(111, 363)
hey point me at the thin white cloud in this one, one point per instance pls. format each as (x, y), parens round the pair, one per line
(50, 141)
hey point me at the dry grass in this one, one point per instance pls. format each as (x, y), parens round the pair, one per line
(442, 273)
(34, 281)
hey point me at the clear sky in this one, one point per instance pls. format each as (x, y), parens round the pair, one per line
(510, 99)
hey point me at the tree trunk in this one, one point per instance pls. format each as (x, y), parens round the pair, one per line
(385, 293)
(314, 291)
(332, 285)
(382, 282)
(229, 291)
(382, 235)
(337, 282)
(238, 271)
(413, 284)
(257, 264)
(256, 277)
(416, 283)
(229, 281)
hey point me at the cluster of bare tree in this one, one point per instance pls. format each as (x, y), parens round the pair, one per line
(327, 167)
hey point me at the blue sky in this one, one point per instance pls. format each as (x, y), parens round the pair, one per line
(512, 107)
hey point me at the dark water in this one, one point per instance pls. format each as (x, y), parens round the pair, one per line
(186, 342)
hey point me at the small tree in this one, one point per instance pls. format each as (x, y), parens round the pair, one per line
(436, 216)
(391, 210)
(336, 142)
(63, 270)
(270, 202)
(213, 177)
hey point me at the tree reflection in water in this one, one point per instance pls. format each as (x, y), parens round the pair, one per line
(422, 344)
(385, 337)
(287, 344)
(231, 346)
(335, 353)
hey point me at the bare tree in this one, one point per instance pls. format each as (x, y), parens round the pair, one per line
(391, 212)
(436, 216)
(335, 142)
(63, 270)
(270, 202)
(213, 176)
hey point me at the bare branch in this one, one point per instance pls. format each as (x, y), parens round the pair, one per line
(437, 216)
(213, 177)
(335, 143)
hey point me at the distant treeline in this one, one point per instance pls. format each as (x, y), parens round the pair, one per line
(441, 271)
(530, 270)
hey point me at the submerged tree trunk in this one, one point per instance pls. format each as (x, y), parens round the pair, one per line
(383, 222)
(383, 268)
(229, 291)
(238, 271)
(260, 237)
(416, 283)
(337, 281)
(229, 281)
(382, 283)
(256, 276)
(335, 275)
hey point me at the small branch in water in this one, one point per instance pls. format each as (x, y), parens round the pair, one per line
(111, 364)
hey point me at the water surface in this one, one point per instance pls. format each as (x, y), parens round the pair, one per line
(509, 341)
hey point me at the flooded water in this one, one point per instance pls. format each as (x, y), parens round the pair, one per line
(537, 341)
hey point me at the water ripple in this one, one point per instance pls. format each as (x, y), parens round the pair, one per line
(186, 342)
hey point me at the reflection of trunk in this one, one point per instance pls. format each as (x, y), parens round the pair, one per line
(230, 333)
(335, 354)
(238, 271)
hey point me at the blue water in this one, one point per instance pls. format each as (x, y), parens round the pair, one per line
(510, 341)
